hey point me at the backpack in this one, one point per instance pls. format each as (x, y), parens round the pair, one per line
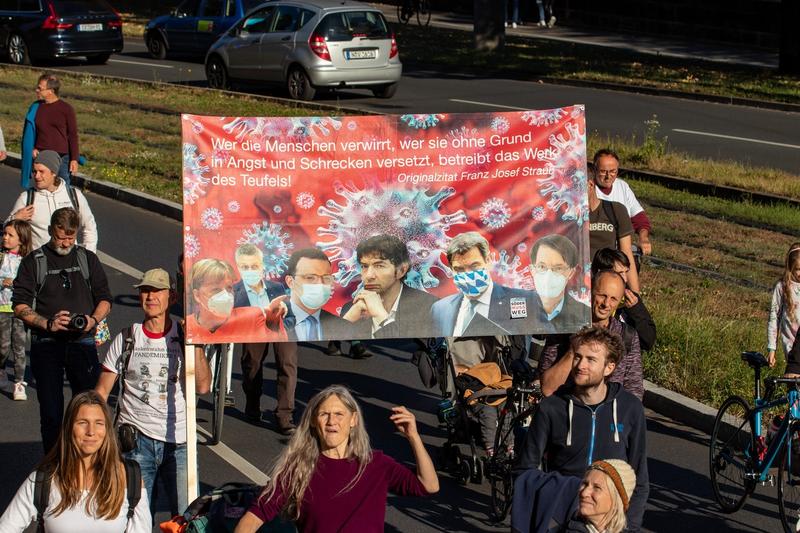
(41, 491)
(42, 272)
(73, 197)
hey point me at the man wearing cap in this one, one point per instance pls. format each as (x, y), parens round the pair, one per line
(152, 399)
(49, 192)
(591, 418)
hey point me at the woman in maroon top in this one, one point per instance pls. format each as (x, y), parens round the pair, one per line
(329, 479)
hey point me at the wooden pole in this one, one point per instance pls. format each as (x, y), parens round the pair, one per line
(191, 422)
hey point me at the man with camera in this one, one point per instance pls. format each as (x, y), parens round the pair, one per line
(151, 409)
(61, 293)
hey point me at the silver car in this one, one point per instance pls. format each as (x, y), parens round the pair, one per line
(308, 45)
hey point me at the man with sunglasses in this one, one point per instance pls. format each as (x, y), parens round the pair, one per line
(61, 293)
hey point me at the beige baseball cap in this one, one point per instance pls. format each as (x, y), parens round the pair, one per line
(158, 278)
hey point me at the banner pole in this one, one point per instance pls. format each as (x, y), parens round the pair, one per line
(191, 423)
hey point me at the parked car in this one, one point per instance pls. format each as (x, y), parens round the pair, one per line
(307, 45)
(193, 26)
(31, 30)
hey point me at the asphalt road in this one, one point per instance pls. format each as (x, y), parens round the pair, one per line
(680, 489)
(717, 131)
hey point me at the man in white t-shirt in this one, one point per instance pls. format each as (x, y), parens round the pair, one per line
(152, 397)
(610, 187)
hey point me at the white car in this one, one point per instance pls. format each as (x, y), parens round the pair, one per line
(308, 45)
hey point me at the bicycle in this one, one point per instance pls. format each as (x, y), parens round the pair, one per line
(408, 8)
(515, 416)
(220, 358)
(740, 456)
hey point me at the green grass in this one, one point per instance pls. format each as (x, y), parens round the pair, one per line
(145, 153)
(532, 58)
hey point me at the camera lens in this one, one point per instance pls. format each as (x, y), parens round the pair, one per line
(77, 322)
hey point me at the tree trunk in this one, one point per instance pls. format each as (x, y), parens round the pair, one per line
(489, 25)
(790, 43)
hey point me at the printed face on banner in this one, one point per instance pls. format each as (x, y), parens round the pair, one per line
(405, 226)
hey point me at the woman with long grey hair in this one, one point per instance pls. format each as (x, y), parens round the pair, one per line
(328, 478)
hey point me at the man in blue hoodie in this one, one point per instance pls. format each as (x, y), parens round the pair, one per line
(591, 418)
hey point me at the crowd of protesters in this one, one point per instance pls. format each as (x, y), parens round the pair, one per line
(99, 471)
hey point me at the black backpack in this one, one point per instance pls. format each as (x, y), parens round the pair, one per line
(41, 491)
(42, 271)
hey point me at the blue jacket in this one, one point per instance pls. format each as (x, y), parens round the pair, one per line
(28, 142)
(543, 501)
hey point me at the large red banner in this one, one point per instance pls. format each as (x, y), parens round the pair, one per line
(385, 226)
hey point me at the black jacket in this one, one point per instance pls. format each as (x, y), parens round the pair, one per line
(572, 435)
(639, 317)
(411, 320)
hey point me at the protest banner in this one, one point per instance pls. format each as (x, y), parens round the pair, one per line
(355, 216)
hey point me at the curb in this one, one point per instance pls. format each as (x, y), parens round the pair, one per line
(679, 407)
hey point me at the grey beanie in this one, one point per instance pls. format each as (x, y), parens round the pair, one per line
(50, 159)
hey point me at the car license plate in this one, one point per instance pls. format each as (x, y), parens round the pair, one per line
(90, 27)
(361, 54)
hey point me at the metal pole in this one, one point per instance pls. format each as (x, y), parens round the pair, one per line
(191, 423)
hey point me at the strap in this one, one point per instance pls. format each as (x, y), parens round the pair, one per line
(29, 197)
(83, 264)
(133, 477)
(41, 496)
(73, 198)
(628, 333)
(40, 260)
(127, 350)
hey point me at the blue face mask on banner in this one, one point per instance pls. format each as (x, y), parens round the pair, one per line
(315, 295)
(251, 277)
(472, 283)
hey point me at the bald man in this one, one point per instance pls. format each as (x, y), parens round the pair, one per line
(555, 364)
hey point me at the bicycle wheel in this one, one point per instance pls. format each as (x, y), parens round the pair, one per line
(498, 467)
(424, 12)
(789, 484)
(404, 11)
(218, 393)
(729, 457)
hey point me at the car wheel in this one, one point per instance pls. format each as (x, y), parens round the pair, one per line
(299, 86)
(18, 52)
(156, 46)
(98, 59)
(217, 74)
(385, 91)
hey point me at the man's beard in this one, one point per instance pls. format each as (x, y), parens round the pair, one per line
(63, 251)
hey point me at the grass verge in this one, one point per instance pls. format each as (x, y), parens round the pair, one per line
(531, 57)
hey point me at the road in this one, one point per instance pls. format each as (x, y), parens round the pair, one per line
(717, 131)
(139, 240)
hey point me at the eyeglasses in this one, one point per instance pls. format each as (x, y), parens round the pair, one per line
(316, 278)
(65, 282)
(40, 89)
(611, 173)
(541, 269)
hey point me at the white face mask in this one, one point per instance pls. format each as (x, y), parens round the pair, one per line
(549, 284)
(315, 295)
(221, 303)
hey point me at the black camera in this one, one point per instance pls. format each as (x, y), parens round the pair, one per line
(77, 322)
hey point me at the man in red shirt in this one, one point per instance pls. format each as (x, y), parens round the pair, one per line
(55, 126)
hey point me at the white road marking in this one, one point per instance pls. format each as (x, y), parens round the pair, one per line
(734, 138)
(486, 104)
(221, 449)
(140, 63)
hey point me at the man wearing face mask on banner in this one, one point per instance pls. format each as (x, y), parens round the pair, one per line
(213, 313)
(254, 290)
(481, 307)
(554, 261)
(310, 280)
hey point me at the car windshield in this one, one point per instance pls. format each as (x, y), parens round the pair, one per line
(346, 25)
(68, 8)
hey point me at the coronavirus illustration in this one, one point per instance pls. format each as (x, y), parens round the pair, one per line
(304, 200)
(583, 295)
(545, 117)
(411, 214)
(233, 206)
(211, 218)
(566, 187)
(463, 133)
(274, 244)
(421, 122)
(500, 125)
(262, 128)
(538, 214)
(194, 179)
(191, 245)
(495, 213)
(197, 127)
(509, 272)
